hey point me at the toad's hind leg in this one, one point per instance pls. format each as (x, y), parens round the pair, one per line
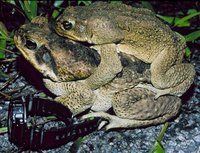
(170, 75)
(137, 108)
(139, 104)
(117, 122)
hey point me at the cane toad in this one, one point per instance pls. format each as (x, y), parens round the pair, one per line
(134, 31)
(133, 107)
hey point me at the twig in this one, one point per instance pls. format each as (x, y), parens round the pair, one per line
(5, 95)
(8, 60)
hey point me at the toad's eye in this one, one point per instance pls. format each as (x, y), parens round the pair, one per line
(30, 44)
(67, 25)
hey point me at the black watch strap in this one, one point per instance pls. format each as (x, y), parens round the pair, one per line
(46, 107)
(37, 138)
(46, 139)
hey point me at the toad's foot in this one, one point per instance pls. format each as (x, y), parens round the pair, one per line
(114, 121)
(117, 122)
(158, 92)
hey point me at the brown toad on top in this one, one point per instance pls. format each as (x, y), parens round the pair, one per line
(134, 31)
(52, 56)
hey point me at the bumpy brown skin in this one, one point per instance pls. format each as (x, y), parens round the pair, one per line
(133, 31)
(60, 61)
(56, 58)
(134, 107)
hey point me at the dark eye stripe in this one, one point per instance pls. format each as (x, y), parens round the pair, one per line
(43, 55)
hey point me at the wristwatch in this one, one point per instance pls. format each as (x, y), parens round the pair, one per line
(36, 137)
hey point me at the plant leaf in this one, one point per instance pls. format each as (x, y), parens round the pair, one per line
(192, 36)
(86, 3)
(191, 11)
(3, 30)
(148, 5)
(57, 3)
(168, 19)
(3, 130)
(2, 46)
(4, 75)
(171, 20)
(55, 13)
(115, 1)
(76, 144)
(11, 1)
(188, 53)
(33, 7)
(184, 19)
(157, 148)
(26, 7)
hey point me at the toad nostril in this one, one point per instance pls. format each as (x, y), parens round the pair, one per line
(57, 24)
(19, 32)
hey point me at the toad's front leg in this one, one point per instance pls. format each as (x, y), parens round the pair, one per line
(109, 66)
(75, 94)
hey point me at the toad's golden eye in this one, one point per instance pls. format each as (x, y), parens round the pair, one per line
(67, 25)
(30, 44)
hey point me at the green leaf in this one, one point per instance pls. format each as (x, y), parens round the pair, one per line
(51, 118)
(187, 53)
(29, 7)
(86, 3)
(3, 30)
(186, 18)
(2, 46)
(33, 7)
(11, 1)
(3, 130)
(4, 37)
(180, 13)
(171, 20)
(157, 148)
(76, 144)
(147, 5)
(184, 24)
(162, 132)
(55, 13)
(57, 3)
(192, 36)
(168, 19)
(24, 6)
(180, 36)
(115, 1)
(191, 11)
(4, 75)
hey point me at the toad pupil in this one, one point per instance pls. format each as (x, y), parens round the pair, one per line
(67, 25)
(31, 44)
